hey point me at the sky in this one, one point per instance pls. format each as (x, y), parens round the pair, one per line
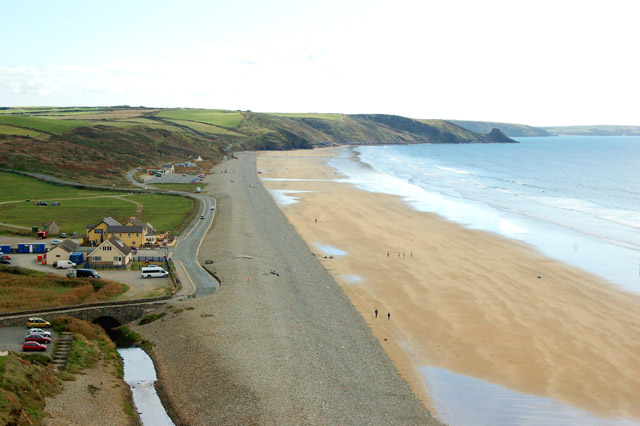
(541, 63)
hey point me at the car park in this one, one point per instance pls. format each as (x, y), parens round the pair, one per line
(33, 346)
(40, 332)
(37, 322)
(37, 338)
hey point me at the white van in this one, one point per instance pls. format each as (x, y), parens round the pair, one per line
(153, 272)
(64, 264)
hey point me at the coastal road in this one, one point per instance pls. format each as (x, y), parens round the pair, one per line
(196, 281)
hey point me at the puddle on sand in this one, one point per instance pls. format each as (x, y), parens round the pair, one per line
(330, 250)
(465, 401)
(140, 375)
(353, 278)
(283, 197)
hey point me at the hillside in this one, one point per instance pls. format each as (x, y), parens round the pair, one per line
(101, 144)
(602, 130)
(509, 129)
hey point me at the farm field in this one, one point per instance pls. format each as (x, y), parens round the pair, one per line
(320, 116)
(203, 127)
(79, 207)
(42, 124)
(228, 119)
(19, 188)
(26, 289)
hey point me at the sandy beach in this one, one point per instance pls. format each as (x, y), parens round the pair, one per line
(468, 301)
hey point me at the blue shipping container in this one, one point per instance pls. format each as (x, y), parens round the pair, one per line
(31, 248)
(5, 249)
(77, 258)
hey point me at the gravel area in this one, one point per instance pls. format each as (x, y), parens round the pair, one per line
(266, 349)
(95, 398)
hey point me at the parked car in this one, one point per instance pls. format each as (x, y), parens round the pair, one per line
(37, 338)
(40, 332)
(153, 272)
(5, 261)
(38, 322)
(33, 346)
(55, 241)
(65, 264)
(87, 273)
(63, 234)
(5, 256)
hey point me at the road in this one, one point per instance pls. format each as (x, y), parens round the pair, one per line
(195, 280)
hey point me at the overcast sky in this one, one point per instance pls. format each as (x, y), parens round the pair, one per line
(559, 62)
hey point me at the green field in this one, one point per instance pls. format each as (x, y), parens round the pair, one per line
(79, 207)
(166, 212)
(19, 188)
(203, 127)
(331, 117)
(225, 119)
(10, 130)
(42, 124)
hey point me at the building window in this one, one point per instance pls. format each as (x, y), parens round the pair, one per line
(117, 258)
(106, 248)
(97, 258)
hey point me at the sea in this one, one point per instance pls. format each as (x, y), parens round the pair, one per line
(574, 198)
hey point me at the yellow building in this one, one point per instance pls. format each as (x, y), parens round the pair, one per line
(135, 233)
(97, 234)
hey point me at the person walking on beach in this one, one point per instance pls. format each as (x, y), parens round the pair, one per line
(388, 316)
(376, 311)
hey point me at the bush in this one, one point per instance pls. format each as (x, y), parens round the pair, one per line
(147, 319)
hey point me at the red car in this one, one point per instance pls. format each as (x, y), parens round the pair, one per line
(37, 338)
(5, 256)
(33, 346)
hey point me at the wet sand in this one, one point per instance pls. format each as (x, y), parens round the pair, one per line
(468, 301)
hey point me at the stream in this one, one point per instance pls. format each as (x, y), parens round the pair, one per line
(140, 375)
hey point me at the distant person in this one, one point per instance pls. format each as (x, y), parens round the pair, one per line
(388, 315)
(376, 311)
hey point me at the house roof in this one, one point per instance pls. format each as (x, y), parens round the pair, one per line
(111, 221)
(68, 245)
(117, 244)
(48, 223)
(108, 220)
(124, 228)
(136, 221)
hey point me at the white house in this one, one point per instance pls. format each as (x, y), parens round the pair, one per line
(111, 252)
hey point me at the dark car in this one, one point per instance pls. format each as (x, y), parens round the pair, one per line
(5, 261)
(33, 346)
(37, 338)
(87, 273)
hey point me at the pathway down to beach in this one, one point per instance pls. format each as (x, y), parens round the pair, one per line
(283, 348)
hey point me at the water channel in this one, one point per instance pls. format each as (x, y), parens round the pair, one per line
(140, 375)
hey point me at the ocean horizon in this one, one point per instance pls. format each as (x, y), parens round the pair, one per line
(575, 199)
